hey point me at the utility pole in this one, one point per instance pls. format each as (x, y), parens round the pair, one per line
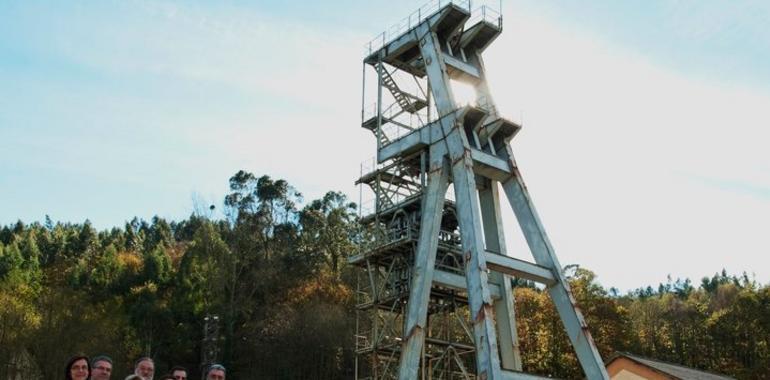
(210, 343)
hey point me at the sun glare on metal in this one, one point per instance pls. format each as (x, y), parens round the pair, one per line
(464, 93)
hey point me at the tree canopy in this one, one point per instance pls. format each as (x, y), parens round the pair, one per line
(274, 272)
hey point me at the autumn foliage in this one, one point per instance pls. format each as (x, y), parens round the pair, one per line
(276, 276)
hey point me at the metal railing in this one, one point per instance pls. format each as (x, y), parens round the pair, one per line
(369, 165)
(395, 122)
(448, 237)
(415, 18)
(393, 112)
(488, 14)
(484, 13)
(393, 132)
(368, 207)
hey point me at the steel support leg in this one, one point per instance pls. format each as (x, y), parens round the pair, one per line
(505, 310)
(560, 293)
(436, 70)
(415, 323)
(479, 299)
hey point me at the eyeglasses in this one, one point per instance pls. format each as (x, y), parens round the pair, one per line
(103, 368)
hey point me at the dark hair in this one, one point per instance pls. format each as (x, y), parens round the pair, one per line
(101, 358)
(177, 368)
(67, 370)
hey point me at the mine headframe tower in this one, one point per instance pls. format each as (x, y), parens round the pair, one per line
(434, 297)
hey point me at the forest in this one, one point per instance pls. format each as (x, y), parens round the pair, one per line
(273, 270)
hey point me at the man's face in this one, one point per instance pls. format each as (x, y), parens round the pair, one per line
(102, 370)
(216, 374)
(145, 369)
(179, 375)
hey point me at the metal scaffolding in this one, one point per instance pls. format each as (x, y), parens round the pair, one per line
(434, 297)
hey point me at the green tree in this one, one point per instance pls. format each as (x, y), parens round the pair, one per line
(328, 226)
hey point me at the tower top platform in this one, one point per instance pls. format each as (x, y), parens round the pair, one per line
(448, 19)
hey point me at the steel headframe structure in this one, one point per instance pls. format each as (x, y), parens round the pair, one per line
(434, 297)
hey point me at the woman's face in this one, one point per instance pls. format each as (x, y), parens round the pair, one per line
(79, 370)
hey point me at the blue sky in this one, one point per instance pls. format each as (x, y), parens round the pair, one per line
(645, 122)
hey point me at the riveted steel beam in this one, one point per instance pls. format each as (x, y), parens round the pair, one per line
(510, 357)
(457, 282)
(560, 293)
(415, 324)
(479, 299)
(520, 268)
(513, 375)
(435, 67)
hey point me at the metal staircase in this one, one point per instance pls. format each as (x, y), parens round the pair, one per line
(408, 102)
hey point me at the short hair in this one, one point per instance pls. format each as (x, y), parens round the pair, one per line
(177, 368)
(143, 358)
(214, 366)
(101, 358)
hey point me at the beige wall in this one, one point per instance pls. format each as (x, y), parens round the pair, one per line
(626, 369)
(627, 375)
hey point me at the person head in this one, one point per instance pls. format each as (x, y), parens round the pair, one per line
(101, 367)
(215, 372)
(145, 368)
(78, 368)
(178, 373)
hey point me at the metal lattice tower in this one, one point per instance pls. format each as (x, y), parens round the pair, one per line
(434, 297)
